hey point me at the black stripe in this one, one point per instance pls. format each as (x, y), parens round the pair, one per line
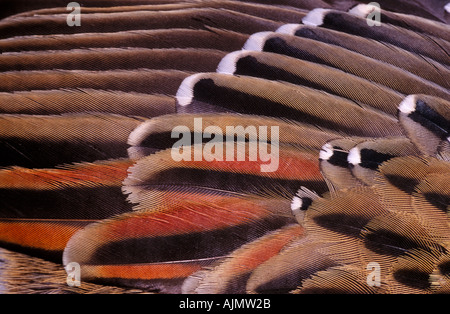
(339, 157)
(413, 278)
(358, 26)
(405, 184)
(441, 201)
(229, 181)
(250, 66)
(206, 91)
(164, 140)
(371, 159)
(306, 202)
(47, 154)
(52, 256)
(430, 119)
(280, 46)
(384, 241)
(66, 203)
(196, 245)
(346, 224)
(444, 268)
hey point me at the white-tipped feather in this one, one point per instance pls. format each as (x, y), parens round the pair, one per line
(139, 133)
(185, 91)
(447, 7)
(408, 105)
(256, 41)
(228, 63)
(296, 204)
(315, 17)
(354, 156)
(326, 152)
(289, 29)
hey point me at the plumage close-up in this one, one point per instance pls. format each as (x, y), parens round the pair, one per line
(225, 147)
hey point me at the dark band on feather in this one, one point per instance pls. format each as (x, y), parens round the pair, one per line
(339, 157)
(64, 203)
(372, 159)
(229, 181)
(349, 61)
(400, 37)
(46, 154)
(440, 201)
(213, 243)
(206, 91)
(430, 119)
(388, 53)
(388, 242)
(350, 225)
(413, 278)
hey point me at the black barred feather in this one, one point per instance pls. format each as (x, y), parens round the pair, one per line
(429, 46)
(385, 52)
(223, 147)
(250, 95)
(346, 60)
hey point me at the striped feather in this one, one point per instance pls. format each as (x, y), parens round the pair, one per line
(388, 53)
(127, 21)
(79, 100)
(209, 38)
(361, 175)
(434, 48)
(247, 95)
(31, 140)
(346, 60)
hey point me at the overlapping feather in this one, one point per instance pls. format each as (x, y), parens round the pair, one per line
(362, 175)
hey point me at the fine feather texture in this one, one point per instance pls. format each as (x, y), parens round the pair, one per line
(209, 38)
(389, 53)
(63, 101)
(136, 80)
(275, 13)
(357, 126)
(362, 66)
(31, 140)
(153, 186)
(219, 229)
(112, 59)
(434, 48)
(248, 95)
(230, 275)
(39, 206)
(422, 25)
(156, 134)
(115, 21)
(275, 67)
